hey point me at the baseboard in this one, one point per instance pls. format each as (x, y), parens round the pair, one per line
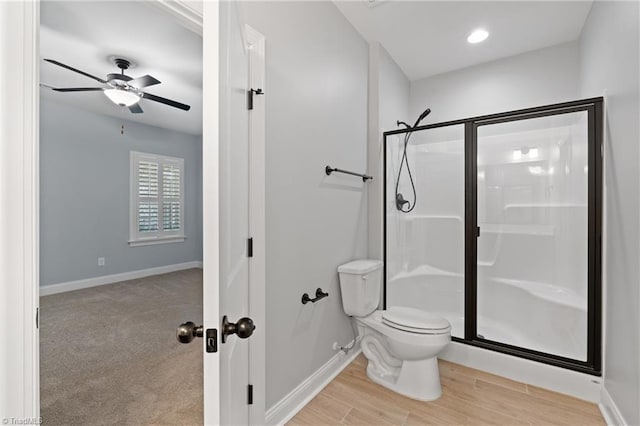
(114, 278)
(287, 407)
(610, 411)
(579, 385)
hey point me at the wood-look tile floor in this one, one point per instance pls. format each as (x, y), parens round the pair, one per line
(469, 397)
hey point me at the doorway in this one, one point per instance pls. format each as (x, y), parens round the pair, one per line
(25, 79)
(120, 214)
(191, 401)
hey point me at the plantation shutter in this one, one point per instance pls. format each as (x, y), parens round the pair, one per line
(148, 197)
(171, 196)
(157, 199)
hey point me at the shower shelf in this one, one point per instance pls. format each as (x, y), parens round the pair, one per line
(430, 216)
(544, 206)
(426, 270)
(514, 229)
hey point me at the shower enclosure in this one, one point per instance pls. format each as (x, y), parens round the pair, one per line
(505, 237)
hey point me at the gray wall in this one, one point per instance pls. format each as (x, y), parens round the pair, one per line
(609, 64)
(316, 103)
(394, 93)
(84, 194)
(531, 79)
(388, 102)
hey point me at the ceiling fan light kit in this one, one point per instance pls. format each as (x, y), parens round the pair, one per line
(121, 89)
(122, 97)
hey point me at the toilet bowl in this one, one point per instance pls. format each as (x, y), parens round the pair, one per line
(401, 344)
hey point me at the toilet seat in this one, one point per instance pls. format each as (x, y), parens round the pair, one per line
(415, 321)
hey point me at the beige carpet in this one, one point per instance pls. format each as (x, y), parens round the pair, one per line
(109, 355)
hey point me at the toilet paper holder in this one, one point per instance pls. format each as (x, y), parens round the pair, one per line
(319, 295)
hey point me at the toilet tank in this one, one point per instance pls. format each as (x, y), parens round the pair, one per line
(360, 284)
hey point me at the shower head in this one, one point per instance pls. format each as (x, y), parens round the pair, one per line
(422, 116)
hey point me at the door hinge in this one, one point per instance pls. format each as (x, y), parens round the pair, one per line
(250, 247)
(37, 317)
(478, 231)
(250, 94)
(250, 394)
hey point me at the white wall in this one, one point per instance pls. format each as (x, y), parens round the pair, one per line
(84, 194)
(531, 79)
(609, 65)
(388, 102)
(316, 110)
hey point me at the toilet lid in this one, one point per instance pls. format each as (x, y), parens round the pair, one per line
(415, 320)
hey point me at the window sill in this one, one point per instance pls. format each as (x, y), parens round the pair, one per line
(154, 241)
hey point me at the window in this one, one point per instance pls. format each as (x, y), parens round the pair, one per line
(157, 199)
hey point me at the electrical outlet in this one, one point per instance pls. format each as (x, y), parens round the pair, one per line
(101, 261)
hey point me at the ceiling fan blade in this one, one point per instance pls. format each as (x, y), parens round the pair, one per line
(77, 89)
(60, 64)
(144, 81)
(136, 109)
(166, 101)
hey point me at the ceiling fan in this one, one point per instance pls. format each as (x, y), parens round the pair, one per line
(120, 88)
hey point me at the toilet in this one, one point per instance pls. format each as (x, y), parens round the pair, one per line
(401, 344)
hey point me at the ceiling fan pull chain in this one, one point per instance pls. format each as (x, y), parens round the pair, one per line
(122, 125)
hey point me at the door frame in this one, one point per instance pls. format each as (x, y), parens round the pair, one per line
(210, 205)
(19, 162)
(19, 239)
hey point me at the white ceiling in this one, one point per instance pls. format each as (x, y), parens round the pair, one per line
(85, 34)
(429, 37)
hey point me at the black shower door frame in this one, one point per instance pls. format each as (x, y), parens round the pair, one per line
(594, 109)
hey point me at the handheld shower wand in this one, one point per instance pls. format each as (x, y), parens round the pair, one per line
(422, 116)
(400, 201)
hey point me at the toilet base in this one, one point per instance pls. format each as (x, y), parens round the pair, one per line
(418, 380)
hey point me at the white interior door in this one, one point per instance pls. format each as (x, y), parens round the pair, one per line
(234, 204)
(234, 217)
(257, 225)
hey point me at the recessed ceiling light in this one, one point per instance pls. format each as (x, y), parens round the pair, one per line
(477, 36)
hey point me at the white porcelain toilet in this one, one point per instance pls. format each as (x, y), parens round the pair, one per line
(400, 343)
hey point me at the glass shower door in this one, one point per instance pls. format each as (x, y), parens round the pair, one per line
(532, 249)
